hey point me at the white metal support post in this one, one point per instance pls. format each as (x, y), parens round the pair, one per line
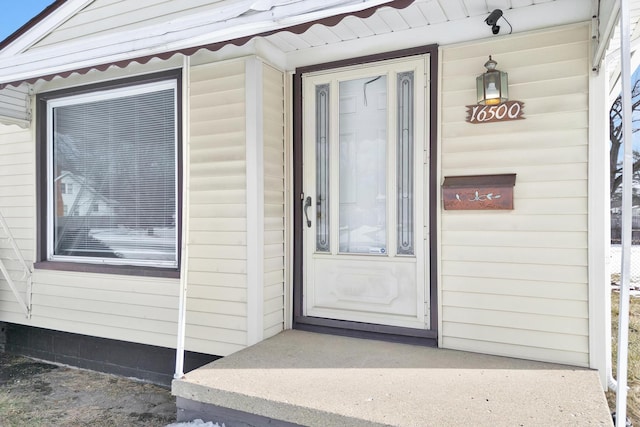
(627, 177)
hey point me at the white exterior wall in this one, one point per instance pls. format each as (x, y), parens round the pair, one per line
(17, 205)
(120, 307)
(515, 283)
(217, 292)
(236, 148)
(145, 309)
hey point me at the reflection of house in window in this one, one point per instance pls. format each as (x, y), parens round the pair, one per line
(81, 199)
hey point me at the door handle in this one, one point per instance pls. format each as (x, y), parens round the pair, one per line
(307, 204)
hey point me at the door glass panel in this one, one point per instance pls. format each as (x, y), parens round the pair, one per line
(363, 174)
(405, 163)
(322, 168)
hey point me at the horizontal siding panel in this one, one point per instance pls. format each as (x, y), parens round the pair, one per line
(213, 126)
(273, 305)
(517, 239)
(217, 334)
(231, 308)
(216, 169)
(527, 173)
(521, 288)
(218, 210)
(123, 284)
(228, 90)
(552, 190)
(223, 111)
(217, 140)
(219, 252)
(514, 222)
(552, 273)
(211, 154)
(204, 183)
(540, 139)
(273, 291)
(217, 292)
(540, 206)
(560, 155)
(273, 237)
(274, 277)
(76, 307)
(544, 256)
(517, 351)
(126, 323)
(218, 196)
(523, 337)
(223, 321)
(516, 304)
(218, 265)
(532, 322)
(24, 158)
(105, 295)
(218, 224)
(218, 237)
(208, 278)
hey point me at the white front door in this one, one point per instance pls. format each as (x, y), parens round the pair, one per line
(364, 181)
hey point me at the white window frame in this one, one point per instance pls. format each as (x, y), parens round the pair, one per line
(101, 95)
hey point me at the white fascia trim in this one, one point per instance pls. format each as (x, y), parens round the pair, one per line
(255, 200)
(44, 27)
(192, 31)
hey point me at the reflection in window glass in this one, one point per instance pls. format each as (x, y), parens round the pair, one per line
(362, 170)
(114, 178)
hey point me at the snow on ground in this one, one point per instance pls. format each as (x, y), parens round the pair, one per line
(196, 423)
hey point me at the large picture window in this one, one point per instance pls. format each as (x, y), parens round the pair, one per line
(112, 175)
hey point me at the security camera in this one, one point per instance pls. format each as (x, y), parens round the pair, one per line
(493, 17)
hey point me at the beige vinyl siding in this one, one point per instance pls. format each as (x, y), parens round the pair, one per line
(217, 235)
(514, 283)
(126, 308)
(274, 200)
(17, 192)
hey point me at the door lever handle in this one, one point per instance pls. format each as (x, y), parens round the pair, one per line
(307, 204)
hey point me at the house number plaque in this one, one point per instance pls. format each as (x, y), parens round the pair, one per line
(510, 110)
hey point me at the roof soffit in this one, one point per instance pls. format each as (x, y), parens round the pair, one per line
(421, 21)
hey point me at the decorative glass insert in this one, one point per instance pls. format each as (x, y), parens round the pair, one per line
(363, 165)
(322, 168)
(405, 158)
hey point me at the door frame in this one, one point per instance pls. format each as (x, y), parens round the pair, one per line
(350, 328)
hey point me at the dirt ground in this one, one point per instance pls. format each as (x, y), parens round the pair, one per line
(33, 393)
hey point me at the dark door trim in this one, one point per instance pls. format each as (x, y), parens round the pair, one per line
(341, 327)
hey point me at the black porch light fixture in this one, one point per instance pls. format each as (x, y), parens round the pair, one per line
(492, 86)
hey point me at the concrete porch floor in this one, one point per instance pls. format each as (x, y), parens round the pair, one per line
(312, 379)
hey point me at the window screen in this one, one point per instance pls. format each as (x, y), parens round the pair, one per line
(112, 169)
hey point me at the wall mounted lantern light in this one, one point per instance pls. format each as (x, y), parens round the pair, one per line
(492, 90)
(492, 86)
